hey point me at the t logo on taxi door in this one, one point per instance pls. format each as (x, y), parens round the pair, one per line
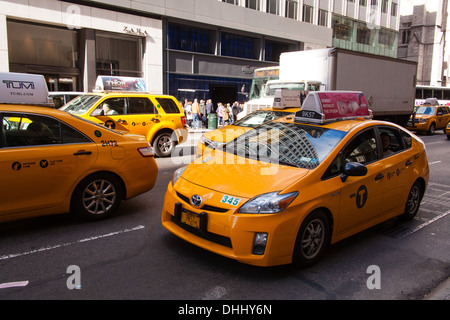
(361, 197)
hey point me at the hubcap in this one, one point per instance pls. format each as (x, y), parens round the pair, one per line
(99, 196)
(313, 239)
(165, 144)
(413, 199)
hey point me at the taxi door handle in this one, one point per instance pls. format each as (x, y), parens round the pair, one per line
(379, 176)
(82, 152)
(408, 162)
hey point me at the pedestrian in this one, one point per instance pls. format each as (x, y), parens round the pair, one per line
(202, 108)
(209, 110)
(195, 114)
(188, 112)
(235, 110)
(219, 113)
(226, 111)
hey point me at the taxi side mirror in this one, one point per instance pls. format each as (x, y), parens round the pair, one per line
(353, 169)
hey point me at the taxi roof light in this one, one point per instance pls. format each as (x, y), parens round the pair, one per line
(326, 106)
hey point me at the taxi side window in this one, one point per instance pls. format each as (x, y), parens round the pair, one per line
(32, 130)
(362, 148)
(391, 141)
(168, 105)
(112, 106)
(138, 105)
(442, 111)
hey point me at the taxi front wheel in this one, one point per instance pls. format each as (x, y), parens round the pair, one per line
(312, 240)
(97, 196)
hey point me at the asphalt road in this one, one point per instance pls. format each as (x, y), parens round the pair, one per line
(131, 256)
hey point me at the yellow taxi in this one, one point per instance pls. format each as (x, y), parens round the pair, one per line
(447, 131)
(284, 191)
(53, 162)
(119, 105)
(217, 138)
(429, 118)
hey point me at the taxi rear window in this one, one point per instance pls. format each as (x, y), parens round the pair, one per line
(289, 144)
(168, 105)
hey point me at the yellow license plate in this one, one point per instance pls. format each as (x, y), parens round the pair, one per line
(191, 219)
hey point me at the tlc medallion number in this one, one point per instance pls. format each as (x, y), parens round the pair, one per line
(230, 200)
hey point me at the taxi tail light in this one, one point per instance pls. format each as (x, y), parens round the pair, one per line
(146, 151)
(183, 121)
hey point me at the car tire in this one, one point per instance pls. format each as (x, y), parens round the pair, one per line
(413, 202)
(97, 197)
(432, 129)
(312, 240)
(164, 144)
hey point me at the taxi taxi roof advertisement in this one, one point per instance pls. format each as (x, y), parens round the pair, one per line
(323, 106)
(123, 84)
(286, 98)
(23, 88)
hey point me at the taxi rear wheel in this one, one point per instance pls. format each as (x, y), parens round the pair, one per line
(97, 196)
(164, 144)
(312, 240)
(413, 203)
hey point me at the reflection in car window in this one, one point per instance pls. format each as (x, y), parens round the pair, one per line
(168, 105)
(81, 104)
(426, 110)
(140, 105)
(286, 144)
(257, 118)
(362, 148)
(31, 130)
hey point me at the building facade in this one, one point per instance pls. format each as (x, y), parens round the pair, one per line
(424, 39)
(190, 48)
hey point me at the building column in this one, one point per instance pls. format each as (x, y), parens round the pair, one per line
(4, 58)
(87, 60)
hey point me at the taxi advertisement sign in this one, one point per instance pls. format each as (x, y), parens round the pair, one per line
(111, 83)
(23, 88)
(323, 106)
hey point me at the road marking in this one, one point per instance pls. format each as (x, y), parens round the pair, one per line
(434, 162)
(423, 225)
(15, 255)
(13, 284)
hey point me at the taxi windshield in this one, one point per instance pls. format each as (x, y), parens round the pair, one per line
(291, 144)
(259, 117)
(426, 110)
(81, 104)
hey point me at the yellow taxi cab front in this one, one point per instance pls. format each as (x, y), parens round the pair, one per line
(218, 137)
(160, 118)
(54, 162)
(285, 190)
(429, 118)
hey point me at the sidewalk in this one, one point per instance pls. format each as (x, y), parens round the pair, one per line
(442, 292)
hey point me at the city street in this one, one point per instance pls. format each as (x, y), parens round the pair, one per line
(131, 256)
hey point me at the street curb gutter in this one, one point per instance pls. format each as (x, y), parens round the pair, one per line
(442, 292)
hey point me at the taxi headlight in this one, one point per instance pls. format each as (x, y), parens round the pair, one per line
(423, 120)
(177, 174)
(268, 203)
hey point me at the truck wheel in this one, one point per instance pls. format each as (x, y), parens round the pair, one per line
(432, 129)
(97, 196)
(312, 240)
(163, 144)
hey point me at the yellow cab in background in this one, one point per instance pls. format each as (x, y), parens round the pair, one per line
(53, 162)
(122, 103)
(447, 131)
(218, 137)
(284, 191)
(429, 117)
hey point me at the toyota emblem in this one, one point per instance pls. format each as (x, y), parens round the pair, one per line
(196, 200)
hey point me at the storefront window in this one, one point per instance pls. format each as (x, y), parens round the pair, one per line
(30, 44)
(118, 55)
(238, 46)
(190, 39)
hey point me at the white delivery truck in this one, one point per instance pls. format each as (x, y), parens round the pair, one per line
(387, 83)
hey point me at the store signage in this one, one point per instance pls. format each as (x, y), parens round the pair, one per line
(135, 31)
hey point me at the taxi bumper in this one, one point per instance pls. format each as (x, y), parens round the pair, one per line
(256, 239)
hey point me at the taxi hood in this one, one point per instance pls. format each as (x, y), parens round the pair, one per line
(241, 177)
(226, 134)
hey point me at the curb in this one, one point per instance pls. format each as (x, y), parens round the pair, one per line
(442, 292)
